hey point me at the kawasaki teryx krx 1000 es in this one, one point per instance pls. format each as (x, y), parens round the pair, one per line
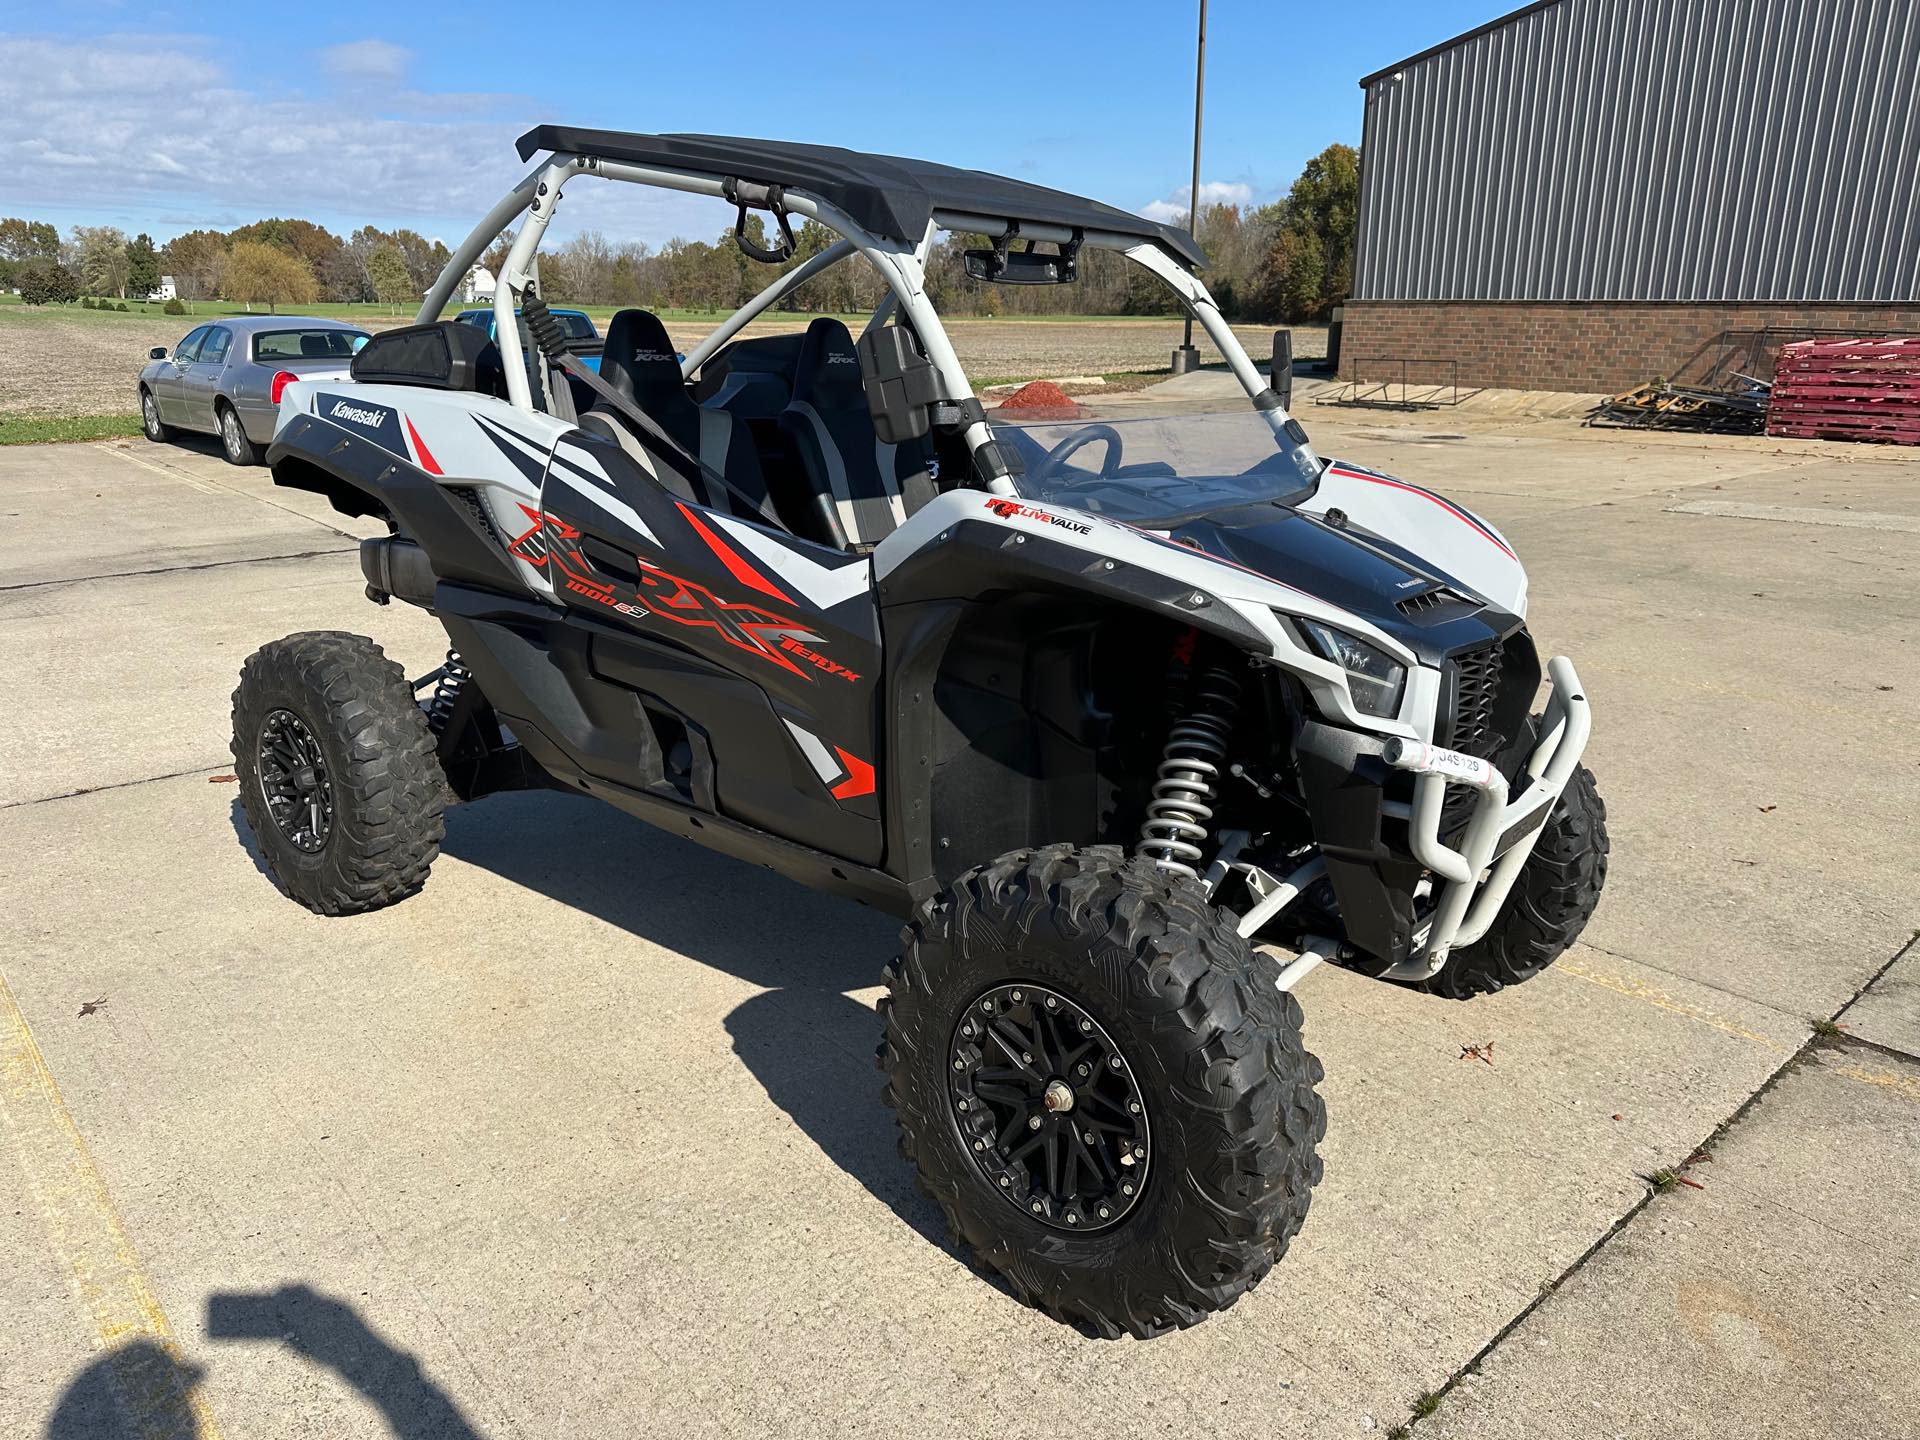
(1135, 721)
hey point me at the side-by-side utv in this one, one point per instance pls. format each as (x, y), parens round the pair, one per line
(1135, 719)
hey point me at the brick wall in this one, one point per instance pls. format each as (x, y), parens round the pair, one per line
(1594, 345)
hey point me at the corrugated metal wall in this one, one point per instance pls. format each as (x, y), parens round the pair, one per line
(1652, 150)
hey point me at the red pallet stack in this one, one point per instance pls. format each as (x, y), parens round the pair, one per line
(1848, 390)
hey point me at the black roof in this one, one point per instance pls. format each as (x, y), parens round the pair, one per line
(885, 195)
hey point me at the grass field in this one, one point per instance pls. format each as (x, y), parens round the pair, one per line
(59, 363)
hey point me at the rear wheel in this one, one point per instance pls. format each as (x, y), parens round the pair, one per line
(1102, 1088)
(338, 773)
(150, 424)
(234, 443)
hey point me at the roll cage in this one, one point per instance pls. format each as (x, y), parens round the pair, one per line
(760, 175)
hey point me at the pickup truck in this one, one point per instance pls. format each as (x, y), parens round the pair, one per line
(582, 339)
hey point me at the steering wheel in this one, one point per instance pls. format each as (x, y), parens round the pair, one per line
(1077, 441)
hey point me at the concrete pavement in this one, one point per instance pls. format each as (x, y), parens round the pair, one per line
(585, 1138)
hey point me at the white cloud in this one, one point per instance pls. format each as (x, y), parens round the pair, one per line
(366, 60)
(1173, 210)
(145, 132)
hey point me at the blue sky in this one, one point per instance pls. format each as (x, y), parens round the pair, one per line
(166, 117)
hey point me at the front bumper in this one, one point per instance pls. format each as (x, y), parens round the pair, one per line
(1475, 879)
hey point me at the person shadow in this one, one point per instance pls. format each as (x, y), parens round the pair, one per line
(134, 1391)
(809, 1044)
(143, 1390)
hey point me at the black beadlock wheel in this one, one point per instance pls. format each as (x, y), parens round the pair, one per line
(338, 774)
(1552, 899)
(1101, 1087)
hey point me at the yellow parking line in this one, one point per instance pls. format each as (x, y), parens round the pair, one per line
(1637, 989)
(92, 1245)
(1893, 1080)
(170, 472)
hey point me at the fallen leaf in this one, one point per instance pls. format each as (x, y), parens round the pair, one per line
(220, 779)
(1478, 1052)
(1687, 1180)
(1768, 809)
(1619, 1117)
(92, 1007)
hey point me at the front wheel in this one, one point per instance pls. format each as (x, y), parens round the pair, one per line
(150, 423)
(338, 773)
(1552, 899)
(1102, 1088)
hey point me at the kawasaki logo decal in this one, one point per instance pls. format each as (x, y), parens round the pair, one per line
(358, 414)
(378, 423)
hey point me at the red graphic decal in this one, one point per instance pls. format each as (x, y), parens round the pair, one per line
(746, 626)
(859, 779)
(553, 545)
(833, 667)
(737, 567)
(553, 539)
(427, 462)
(1446, 505)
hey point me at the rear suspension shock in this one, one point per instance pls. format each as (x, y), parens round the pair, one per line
(1183, 788)
(454, 677)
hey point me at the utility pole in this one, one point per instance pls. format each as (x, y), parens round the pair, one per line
(1187, 358)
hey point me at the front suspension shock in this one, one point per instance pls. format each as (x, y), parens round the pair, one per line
(1184, 785)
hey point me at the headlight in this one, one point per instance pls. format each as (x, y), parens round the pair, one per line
(1374, 677)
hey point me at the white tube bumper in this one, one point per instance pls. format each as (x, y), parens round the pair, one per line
(1475, 880)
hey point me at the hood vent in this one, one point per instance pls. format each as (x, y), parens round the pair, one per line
(1429, 601)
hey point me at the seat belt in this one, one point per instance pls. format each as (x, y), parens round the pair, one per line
(547, 334)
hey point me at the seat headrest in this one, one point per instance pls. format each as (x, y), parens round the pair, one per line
(639, 353)
(311, 345)
(827, 375)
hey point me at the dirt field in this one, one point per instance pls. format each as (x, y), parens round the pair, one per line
(79, 362)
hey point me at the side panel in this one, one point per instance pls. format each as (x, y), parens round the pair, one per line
(786, 631)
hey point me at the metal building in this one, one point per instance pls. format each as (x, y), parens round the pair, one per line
(1580, 194)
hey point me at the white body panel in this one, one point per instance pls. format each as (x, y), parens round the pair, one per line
(1449, 536)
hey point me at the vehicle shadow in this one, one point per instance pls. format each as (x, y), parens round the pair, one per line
(805, 1040)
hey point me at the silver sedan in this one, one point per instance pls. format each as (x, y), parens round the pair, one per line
(225, 377)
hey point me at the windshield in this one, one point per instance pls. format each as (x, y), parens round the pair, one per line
(308, 344)
(1158, 470)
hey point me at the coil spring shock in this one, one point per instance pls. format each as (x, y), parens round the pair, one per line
(1184, 784)
(454, 677)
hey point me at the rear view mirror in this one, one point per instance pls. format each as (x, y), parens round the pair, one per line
(902, 385)
(1280, 370)
(1003, 265)
(158, 352)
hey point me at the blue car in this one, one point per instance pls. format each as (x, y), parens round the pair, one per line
(582, 339)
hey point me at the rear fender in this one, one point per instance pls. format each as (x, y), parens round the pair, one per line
(458, 472)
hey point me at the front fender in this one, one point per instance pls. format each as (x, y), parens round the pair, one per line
(966, 544)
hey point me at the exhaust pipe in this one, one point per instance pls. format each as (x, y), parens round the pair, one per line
(396, 567)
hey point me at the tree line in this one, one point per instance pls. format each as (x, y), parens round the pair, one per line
(1291, 260)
